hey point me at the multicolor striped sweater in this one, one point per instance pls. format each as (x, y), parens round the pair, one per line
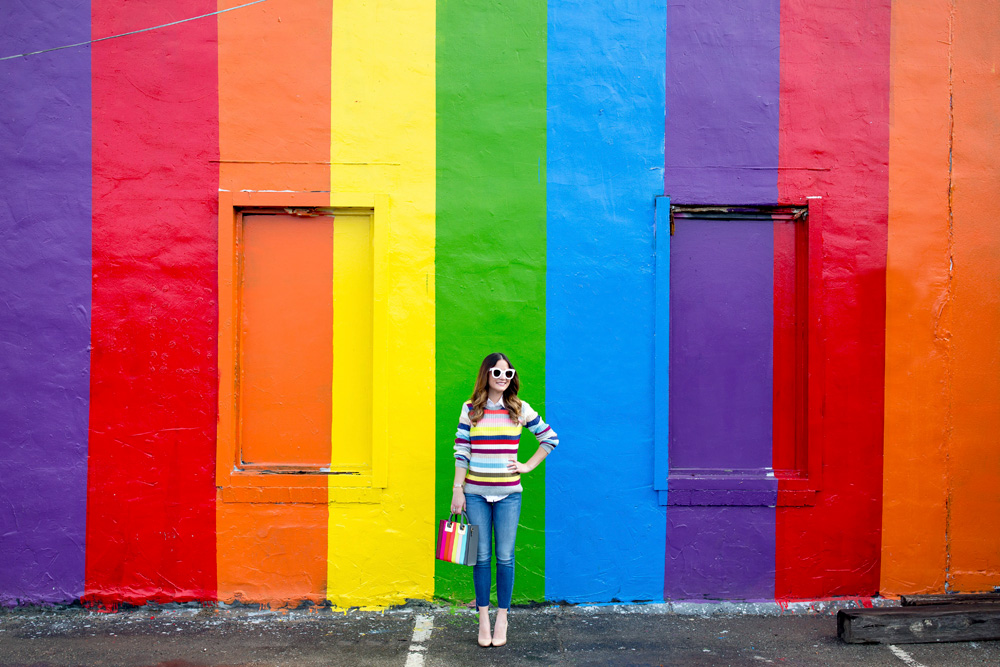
(485, 448)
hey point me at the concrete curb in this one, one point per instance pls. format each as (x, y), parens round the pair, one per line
(697, 608)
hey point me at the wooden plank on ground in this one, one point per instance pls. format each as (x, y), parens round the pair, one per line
(964, 598)
(919, 625)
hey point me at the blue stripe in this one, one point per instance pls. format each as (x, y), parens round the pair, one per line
(491, 464)
(606, 78)
(508, 438)
(661, 352)
(463, 427)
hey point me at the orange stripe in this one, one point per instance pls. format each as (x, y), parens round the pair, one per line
(274, 114)
(974, 528)
(917, 321)
(274, 95)
(273, 553)
(449, 545)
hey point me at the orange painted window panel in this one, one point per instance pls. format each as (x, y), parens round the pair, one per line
(286, 332)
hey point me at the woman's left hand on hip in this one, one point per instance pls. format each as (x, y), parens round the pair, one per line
(516, 466)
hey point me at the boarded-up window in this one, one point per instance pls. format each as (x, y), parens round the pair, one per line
(735, 308)
(305, 337)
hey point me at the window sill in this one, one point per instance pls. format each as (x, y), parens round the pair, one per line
(736, 488)
(309, 495)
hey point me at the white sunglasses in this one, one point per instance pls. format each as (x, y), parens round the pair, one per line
(506, 373)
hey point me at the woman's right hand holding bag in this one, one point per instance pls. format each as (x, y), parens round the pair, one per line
(458, 500)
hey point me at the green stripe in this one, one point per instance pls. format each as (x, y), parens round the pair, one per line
(490, 254)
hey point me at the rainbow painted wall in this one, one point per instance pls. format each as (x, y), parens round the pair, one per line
(797, 398)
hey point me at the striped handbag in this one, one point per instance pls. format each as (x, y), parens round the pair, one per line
(458, 541)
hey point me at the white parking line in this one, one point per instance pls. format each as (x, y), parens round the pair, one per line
(421, 633)
(904, 656)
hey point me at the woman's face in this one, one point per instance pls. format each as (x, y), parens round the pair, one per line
(499, 384)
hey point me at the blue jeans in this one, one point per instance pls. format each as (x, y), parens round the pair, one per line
(497, 520)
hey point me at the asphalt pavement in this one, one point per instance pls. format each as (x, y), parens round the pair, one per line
(424, 635)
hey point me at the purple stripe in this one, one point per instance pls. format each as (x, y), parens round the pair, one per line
(722, 102)
(720, 405)
(442, 536)
(721, 147)
(45, 187)
(478, 483)
(719, 553)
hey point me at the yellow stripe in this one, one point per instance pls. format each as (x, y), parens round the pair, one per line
(472, 477)
(456, 547)
(381, 541)
(495, 430)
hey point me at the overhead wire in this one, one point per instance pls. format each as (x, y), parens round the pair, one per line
(131, 32)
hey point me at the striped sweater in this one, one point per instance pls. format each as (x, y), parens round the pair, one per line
(485, 448)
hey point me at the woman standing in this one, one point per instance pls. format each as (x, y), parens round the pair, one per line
(488, 479)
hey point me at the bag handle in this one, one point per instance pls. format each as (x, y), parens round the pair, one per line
(463, 518)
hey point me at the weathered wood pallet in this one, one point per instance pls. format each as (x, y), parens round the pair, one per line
(919, 624)
(964, 598)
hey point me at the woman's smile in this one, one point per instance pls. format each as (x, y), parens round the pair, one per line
(499, 384)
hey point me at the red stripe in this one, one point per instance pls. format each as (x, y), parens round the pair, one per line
(151, 468)
(449, 542)
(785, 391)
(494, 451)
(834, 138)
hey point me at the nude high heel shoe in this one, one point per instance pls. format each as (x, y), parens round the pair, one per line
(500, 641)
(489, 637)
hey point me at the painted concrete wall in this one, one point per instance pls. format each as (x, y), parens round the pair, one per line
(45, 260)
(517, 161)
(941, 366)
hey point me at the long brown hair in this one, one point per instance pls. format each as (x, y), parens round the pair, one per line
(482, 388)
